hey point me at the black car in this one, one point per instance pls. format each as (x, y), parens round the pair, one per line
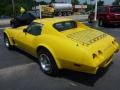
(23, 19)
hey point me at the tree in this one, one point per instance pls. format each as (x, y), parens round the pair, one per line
(100, 3)
(53, 1)
(43, 3)
(116, 2)
(6, 6)
(90, 6)
(85, 3)
(75, 2)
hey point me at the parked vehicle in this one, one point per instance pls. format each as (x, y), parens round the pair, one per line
(22, 19)
(106, 15)
(57, 9)
(35, 13)
(61, 43)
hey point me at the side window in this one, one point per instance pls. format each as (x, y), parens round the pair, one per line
(59, 26)
(34, 29)
(66, 25)
(98, 10)
(102, 9)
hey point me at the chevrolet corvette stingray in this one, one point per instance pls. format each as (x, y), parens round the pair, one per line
(61, 43)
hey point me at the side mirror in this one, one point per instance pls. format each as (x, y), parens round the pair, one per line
(25, 30)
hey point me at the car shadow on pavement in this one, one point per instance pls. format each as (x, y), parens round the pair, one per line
(78, 77)
(26, 54)
(83, 78)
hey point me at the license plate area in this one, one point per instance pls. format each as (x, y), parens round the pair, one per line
(106, 62)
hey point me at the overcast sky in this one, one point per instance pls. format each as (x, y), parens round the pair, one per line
(106, 1)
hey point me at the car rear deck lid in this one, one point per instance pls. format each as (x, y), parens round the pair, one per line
(86, 37)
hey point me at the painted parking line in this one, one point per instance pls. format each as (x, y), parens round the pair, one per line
(10, 71)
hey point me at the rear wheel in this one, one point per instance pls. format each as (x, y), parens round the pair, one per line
(101, 23)
(89, 20)
(47, 62)
(69, 13)
(14, 24)
(59, 13)
(64, 14)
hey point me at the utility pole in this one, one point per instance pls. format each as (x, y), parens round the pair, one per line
(13, 5)
(91, 5)
(40, 10)
(95, 16)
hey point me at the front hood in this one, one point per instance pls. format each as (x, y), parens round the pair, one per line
(84, 37)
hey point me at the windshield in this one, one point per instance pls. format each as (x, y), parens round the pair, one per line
(115, 9)
(66, 25)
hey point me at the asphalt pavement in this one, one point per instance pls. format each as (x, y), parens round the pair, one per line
(20, 71)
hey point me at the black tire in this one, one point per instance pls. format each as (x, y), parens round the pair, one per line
(7, 42)
(14, 24)
(64, 14)
(45, 57)
(69, 13)
(89, 20)
(101, 23)
(59, 14)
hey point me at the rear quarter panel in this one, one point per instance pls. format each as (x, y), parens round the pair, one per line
(65, 51)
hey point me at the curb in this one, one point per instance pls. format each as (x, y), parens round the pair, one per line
(4, 22)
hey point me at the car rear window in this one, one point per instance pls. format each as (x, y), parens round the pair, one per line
(62, 26)
(102, 9)
(115, 9)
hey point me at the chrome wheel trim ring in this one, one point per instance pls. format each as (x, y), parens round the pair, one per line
(45, 62)
(7, 42)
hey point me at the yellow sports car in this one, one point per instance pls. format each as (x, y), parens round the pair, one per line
(61, 43)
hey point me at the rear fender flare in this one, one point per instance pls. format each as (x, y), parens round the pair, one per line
(10, 40)
(52, 52)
